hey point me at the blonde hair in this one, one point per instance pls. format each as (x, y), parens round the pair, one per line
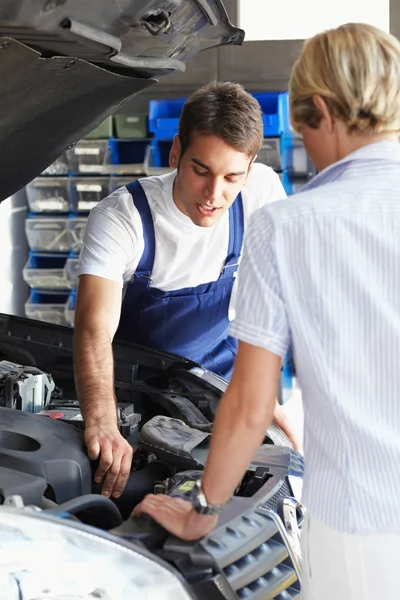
(356, 69)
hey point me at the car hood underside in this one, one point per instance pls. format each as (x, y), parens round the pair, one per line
(66, 65)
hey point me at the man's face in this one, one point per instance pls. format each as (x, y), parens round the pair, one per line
(210, 176)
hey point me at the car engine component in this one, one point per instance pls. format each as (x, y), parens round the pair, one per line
(68, 410)
(24, 388)
(39, 456)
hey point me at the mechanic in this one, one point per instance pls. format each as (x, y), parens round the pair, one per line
(323, 270)
(167, 248)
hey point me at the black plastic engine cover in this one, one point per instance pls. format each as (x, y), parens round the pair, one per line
(41, 452)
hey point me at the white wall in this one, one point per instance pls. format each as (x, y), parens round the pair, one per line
(6, 249)
(297, 20)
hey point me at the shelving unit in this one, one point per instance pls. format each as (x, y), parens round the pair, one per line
(60, 201)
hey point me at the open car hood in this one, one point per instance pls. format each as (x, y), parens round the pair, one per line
(65, 65)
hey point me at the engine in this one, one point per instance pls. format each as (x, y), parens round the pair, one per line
(24, 388)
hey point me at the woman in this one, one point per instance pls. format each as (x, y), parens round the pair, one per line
(322, 272)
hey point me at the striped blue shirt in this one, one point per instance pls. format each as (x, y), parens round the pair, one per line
(321, 272)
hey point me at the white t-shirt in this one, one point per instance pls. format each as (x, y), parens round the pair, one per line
(186, 255)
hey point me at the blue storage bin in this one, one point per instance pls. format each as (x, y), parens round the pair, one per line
(286, 182)
(164, 114)
(46, 271)
(48, 306)
(157, 157)
(275, 109)
(294, 157)
(70, 308)
(126, 157)
(164, 117)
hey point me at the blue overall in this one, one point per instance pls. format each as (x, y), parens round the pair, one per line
(191, 322)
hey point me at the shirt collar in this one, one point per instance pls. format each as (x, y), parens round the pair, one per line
(388, 152)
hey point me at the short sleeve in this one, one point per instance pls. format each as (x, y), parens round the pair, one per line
(108, 246)
(261, 318)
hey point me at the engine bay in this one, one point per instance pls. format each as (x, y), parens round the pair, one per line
(166, 407)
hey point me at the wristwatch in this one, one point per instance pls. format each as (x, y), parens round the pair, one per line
(200, 503)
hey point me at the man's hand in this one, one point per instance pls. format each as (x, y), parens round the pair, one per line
(115, 453)
(176, 516)
(281, 419)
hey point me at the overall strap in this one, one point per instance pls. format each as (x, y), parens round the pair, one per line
(236, 233)
(145, 266)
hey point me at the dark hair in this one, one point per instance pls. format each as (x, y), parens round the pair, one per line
(226, 110)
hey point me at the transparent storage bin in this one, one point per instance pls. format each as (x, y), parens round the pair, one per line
(157, 157)
(58, 167)
(47, 233)
(47, 306)
(118, 182)
(71, 269)
(49, 194)
(46, 271)
(87, 156)
(86, 192)
(270, 153)
(70, 308)
(76, 226)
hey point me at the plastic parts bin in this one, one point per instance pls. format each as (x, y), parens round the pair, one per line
(47, 233)
(131, 126)
(157, 157)
(164, 117)
(118, 182)
(103, 131)
(71, 267)
(125, 157)
(86, 192)
(48, 306)
(270, 154)
(275, 112)
(87, 156)
(294, 157)
(49, 194)
(76, 226)
(46, 271)
(58, 167)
